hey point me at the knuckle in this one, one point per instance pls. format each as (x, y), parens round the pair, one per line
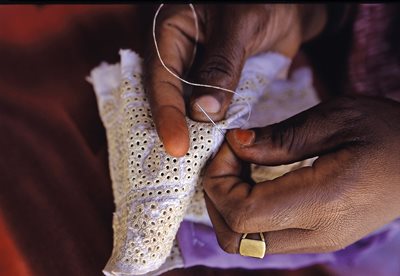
(288, 138)
(217, 67)
(235, 218)
(168, 24)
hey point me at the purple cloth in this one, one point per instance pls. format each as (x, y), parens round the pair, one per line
(199, 246)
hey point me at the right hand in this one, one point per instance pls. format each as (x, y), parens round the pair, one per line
(229, 34)
(351, 190)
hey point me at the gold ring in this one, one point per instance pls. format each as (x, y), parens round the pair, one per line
(252, 248)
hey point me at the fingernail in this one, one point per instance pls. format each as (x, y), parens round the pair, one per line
(244, 137)
(208, 103)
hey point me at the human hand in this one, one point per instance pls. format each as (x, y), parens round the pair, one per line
(351, 190)
(229, 34)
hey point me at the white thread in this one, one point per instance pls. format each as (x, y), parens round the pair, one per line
(208, 117)
(193, 57)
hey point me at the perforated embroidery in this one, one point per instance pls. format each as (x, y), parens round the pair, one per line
(153, 191)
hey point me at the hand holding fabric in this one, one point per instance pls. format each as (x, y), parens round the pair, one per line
(228, 35)
(350, 190)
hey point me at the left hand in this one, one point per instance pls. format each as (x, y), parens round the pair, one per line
(352, 189)
(228, 34)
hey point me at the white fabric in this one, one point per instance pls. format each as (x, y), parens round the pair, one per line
(154, 192)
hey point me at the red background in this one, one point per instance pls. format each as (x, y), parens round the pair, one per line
(55, 193)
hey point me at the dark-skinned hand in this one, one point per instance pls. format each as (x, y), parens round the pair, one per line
(352, 189)
(229, 34)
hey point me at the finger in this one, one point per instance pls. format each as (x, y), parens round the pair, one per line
(324, 128)
(227, 239)
(288, 241)
(277, 242)
(174, 34)
(300, 199)
(222, 63)
(222, 180)
(300, 241)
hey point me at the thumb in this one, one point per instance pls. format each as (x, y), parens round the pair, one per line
(324, 128)
(221, 65)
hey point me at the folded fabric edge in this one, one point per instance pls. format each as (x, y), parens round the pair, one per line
(105, 78)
